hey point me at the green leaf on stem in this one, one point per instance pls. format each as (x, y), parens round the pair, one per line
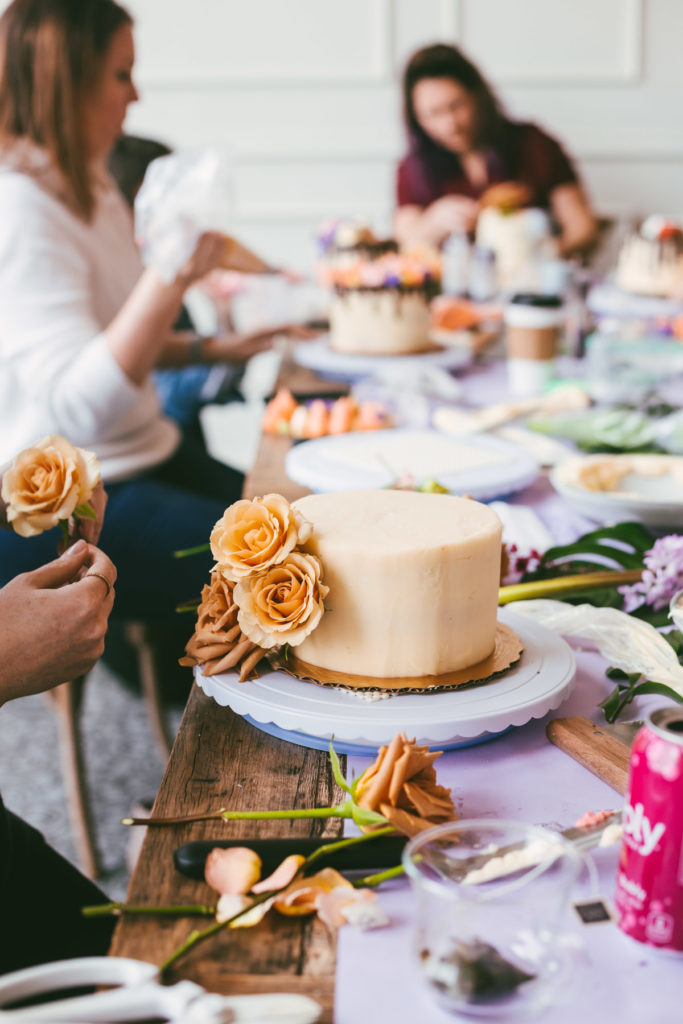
(623, 545)
(336, 770)
(84, 512)
(356, 783)
(364, 817)
(628, 688)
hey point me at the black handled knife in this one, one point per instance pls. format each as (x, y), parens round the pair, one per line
(383, 852)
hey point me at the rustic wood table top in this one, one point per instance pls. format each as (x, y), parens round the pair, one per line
(219, 760)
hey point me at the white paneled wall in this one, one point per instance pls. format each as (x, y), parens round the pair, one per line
(305, 93)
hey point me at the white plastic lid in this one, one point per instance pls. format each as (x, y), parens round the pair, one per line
(518, 315)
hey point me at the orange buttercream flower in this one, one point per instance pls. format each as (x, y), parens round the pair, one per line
(218, 643)
(401, 785)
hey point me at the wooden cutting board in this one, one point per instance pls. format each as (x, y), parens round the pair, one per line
(594, 748)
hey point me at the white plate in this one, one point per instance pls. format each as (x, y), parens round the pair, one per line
(539, 683)
(615, 507)
(317, 355)
(483, 467)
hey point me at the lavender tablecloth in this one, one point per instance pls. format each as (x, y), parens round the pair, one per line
(521, 776)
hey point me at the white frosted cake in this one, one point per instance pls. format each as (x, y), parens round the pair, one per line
(380, 304)
(650, 261)
(413, 582)
(380, 322)
(512, 229)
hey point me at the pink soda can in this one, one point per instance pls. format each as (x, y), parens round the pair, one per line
(649, 897)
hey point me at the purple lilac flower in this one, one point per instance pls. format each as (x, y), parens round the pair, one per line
(662, 576)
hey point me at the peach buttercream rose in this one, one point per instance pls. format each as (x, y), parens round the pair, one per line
(283, 604)
(47, 483)
(401, 785)
(253, 535)
(218, 643)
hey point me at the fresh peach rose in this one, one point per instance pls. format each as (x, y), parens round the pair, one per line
(401, 785)
(283, 604)
(46, 483)
(253, 535)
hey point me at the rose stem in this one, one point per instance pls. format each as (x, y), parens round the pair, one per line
(312, 812)
(192, 551)
(195, 937)
(566, 585)
(383, 876)
(117, 909)
(342, 844)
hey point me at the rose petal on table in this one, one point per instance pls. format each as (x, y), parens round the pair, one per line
(253, 916)
(234, 870)
(282, 875)
(303, 894)
(229, 904)
(358, 907)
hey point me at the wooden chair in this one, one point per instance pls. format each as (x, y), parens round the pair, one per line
(67, 701)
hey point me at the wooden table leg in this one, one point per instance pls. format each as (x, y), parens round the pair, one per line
(138, 635)
(66, 701)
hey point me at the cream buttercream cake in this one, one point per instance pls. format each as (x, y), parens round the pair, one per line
(651, 260)
(413, 582)
(515, 231)
(380, 321)
(380, 304)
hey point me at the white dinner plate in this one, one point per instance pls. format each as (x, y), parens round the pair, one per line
(658, 507)
(317, 355)
(311, 715)
(482, 467)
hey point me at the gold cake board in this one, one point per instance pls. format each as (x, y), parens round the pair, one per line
(506, 653)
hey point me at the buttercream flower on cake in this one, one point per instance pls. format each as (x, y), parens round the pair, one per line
(253, 535)
(283, 604)
(264, 591)
(49, 483)
(218, 643)
(401, 785)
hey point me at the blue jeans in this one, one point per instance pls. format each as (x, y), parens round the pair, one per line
(183, 391)
(171, 507)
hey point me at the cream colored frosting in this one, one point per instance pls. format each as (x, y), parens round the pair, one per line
(646, 267)
(514, 237)
(381, 322)
(413, 582)
(625, 476)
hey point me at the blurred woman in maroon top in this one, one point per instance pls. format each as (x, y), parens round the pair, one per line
(461, 143)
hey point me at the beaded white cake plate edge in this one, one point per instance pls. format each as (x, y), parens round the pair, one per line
(310, 715)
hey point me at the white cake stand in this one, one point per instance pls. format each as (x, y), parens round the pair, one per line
(317, 355)
(311, 715)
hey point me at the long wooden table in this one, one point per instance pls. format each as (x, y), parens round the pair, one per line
(219, 760)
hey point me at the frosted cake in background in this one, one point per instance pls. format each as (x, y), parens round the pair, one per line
(514, 231)
(381, 296)
(651, 259)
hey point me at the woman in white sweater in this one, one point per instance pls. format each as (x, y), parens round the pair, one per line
(82, 324)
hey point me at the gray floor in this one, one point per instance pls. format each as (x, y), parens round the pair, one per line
(122, 762)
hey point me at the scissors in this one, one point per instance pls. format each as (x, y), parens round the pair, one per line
(137, 994)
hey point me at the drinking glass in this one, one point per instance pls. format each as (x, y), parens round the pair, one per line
(490, 897)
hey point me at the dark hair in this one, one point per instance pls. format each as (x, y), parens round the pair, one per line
(444, 61)
(130, 158)
(50, 60)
